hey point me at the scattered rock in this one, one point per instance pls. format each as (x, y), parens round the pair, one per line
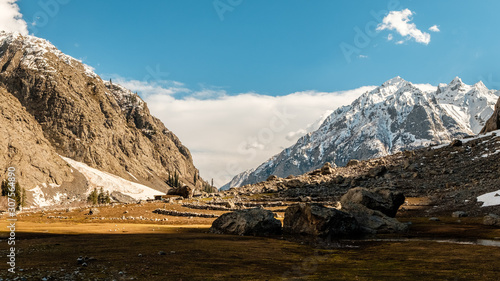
(272, 178)
(459, 214)
(377, 171)
(318, 220)
(434, 219)
(257, 222)
(294, 183)
(327, 169)
(491, 219)
(352, 162)
(385, 200)
(456, 143)
(161, 253)
(229, 204)
(305, 199)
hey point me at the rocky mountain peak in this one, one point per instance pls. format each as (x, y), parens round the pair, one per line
(396, 81)
(102, 126)
(396, 116)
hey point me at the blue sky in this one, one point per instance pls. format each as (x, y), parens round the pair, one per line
(271, 47)
(217, 72)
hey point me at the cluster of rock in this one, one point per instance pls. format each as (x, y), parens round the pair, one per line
(182, 214)
(130, 218)
(363, 211)
(451, 176)
(257, 222)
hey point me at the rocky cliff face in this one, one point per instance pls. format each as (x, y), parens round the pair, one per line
(396, 116)
(81, 117)
(493, 123)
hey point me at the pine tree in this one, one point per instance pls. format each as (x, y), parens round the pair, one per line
(107, 198)
(5, 188)
(101, 197)
(93, 196)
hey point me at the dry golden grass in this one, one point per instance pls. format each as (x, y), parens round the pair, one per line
(124, 250)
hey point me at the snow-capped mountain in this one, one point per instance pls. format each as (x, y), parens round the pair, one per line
(396, 116)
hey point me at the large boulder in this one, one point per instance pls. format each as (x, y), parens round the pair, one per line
(385, 200)
(257, 222)
(373, 221)
(184, 191)
(327, 169)
(318, 220)
(491, 219)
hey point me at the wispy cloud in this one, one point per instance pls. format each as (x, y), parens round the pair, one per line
(400, 21)
(228, 134)
(146, 88)
(11, 19)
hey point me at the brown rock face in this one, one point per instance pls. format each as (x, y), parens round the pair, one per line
(493, 123)
(24, 147)
(79, 116)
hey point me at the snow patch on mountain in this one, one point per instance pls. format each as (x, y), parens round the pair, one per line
(112, 183)
(35, 53)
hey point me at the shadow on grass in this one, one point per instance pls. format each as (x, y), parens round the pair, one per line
(194, 254)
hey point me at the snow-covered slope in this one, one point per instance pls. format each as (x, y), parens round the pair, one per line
(396, 116)
(112, 183)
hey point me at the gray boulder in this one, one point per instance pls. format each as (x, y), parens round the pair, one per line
(491, 219)
(373, 221)
(184, 191)
(257, 222)
(385, 200)
(327, 169)
(318, 220)
(459, 214)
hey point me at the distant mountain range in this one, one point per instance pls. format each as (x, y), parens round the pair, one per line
(67, 131)
(396, 116)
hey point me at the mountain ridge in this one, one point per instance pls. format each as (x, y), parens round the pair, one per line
(395, 116)
(88, 120)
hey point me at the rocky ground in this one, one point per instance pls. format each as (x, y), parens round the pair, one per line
(450, 177)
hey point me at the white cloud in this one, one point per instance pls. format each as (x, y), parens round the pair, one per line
(390, 37)
(434, 28)
(400, 22)
(228, 134)
(11, 19)
(164, 87)
(363, 56)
